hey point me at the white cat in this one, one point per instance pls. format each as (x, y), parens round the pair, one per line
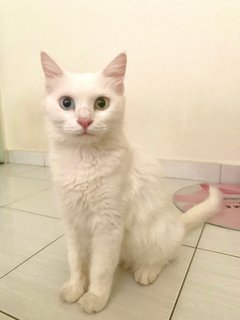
(114, 203)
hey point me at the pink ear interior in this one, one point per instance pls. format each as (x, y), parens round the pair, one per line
(116, 72)
(50, 68)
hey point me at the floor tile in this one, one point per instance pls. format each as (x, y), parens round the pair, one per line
(15, 188)
(4, 317)
(15, 169)
(220, 240)
(22, 234)
(211, 290)
(41, 203)
(31, 292)
(42, 173)
(192, 236)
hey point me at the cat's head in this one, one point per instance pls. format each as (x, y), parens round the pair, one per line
(84, 107)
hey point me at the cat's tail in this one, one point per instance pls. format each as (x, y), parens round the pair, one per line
(203, 211)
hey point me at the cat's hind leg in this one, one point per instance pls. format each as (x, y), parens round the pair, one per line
(148, 248)
(145, 260)
(148, 273)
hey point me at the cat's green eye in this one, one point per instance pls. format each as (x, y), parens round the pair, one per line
(101, 103)
(67, 103)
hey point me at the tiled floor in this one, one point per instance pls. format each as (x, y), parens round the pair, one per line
(203, 283)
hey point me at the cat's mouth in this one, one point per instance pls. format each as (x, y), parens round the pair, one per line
(85, 133)
(79, 133)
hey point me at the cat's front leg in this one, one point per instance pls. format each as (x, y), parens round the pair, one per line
(75, 287)
(106, 244)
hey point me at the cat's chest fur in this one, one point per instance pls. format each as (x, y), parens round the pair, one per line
(84, 178)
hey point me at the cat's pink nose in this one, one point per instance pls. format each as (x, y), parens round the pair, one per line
(84, 122)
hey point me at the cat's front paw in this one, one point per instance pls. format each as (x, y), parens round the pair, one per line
(71, 292)
(91, 303)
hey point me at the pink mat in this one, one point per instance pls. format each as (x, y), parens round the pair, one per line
(228, 217)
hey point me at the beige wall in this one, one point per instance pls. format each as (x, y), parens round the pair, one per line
(183, 79)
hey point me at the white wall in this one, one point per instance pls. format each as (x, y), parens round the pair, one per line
(183, 79)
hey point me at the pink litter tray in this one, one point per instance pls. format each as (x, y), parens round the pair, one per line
(229, 215)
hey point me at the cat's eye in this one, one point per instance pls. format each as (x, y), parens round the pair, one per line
(101, 103)
(67, 103)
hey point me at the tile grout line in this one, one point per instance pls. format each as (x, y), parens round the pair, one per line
(23, 172)
(185, 277)
(188, 246)
(33, 194)
(26, 165)
(31, 256)
(218, 252)
(222, 227)
(29, 178)
(19, 176)
(31, 212)
(213, 251)
(9, 315)
(39, 167)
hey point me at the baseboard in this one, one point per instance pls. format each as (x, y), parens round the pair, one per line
(27, 157)
(211, 172)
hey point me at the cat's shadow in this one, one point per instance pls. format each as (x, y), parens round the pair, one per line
(124, 282)
(122, 279)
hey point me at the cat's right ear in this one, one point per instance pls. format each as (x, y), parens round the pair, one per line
(50, 68)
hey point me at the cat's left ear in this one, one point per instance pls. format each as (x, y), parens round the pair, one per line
(115, 71)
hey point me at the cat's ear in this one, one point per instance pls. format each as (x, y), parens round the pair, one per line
(50, 68)
(115, 71)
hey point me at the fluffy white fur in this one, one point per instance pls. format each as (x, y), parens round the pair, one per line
(114, 203)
